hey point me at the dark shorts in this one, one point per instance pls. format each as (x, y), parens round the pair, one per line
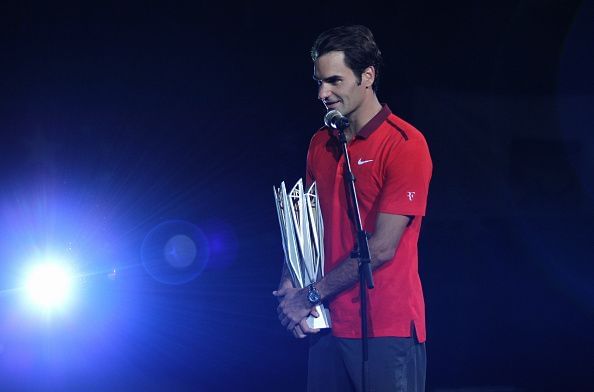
(394, 364)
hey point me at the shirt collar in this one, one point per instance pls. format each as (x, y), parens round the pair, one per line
(375, 122)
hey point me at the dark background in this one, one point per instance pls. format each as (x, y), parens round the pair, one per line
(118, 117)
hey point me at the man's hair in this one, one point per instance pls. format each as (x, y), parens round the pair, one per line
(357, 44)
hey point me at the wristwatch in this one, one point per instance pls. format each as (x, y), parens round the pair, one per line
(313, 295)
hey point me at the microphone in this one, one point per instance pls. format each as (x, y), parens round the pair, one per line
(335, 119)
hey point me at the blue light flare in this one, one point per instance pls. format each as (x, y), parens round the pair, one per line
(49, 285)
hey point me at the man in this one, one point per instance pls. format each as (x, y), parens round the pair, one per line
(392, 166)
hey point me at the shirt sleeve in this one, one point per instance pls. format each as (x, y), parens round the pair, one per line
(309, 178)
(309, 175)
(406, 177)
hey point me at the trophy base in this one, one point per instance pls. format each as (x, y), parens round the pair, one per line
(321, 322)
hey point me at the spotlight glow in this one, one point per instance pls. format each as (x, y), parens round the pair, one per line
(49, 285)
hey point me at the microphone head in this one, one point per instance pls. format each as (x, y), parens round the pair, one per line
(329, 117)
(335, 119)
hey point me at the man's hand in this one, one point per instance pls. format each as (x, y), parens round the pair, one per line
(293, 310)
(301, 330)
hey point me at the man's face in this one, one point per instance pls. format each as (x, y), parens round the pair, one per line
(338, 87)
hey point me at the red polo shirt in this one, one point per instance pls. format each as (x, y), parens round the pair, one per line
(392, 166)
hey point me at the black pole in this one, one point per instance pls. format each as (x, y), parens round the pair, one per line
(362, 253)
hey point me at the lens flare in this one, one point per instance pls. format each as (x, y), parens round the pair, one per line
(49, 285)
(175, 252)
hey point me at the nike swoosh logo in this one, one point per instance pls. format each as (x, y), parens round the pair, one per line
(362, 162)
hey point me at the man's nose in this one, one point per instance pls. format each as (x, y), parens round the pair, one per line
(323, 92)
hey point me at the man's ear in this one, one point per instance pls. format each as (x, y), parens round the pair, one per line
(368, 76)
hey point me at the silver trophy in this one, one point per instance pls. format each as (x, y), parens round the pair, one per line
(302, 231)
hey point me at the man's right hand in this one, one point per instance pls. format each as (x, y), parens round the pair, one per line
(301, 330)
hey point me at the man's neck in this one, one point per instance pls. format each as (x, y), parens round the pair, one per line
(362, 116)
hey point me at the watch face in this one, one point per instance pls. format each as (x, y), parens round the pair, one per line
(313, 296)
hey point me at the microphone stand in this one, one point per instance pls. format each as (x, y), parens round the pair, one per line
(361, 253)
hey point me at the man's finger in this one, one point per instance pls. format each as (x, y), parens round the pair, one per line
(292, 324)
(298, 333)
(284, 321)
(280, 293)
